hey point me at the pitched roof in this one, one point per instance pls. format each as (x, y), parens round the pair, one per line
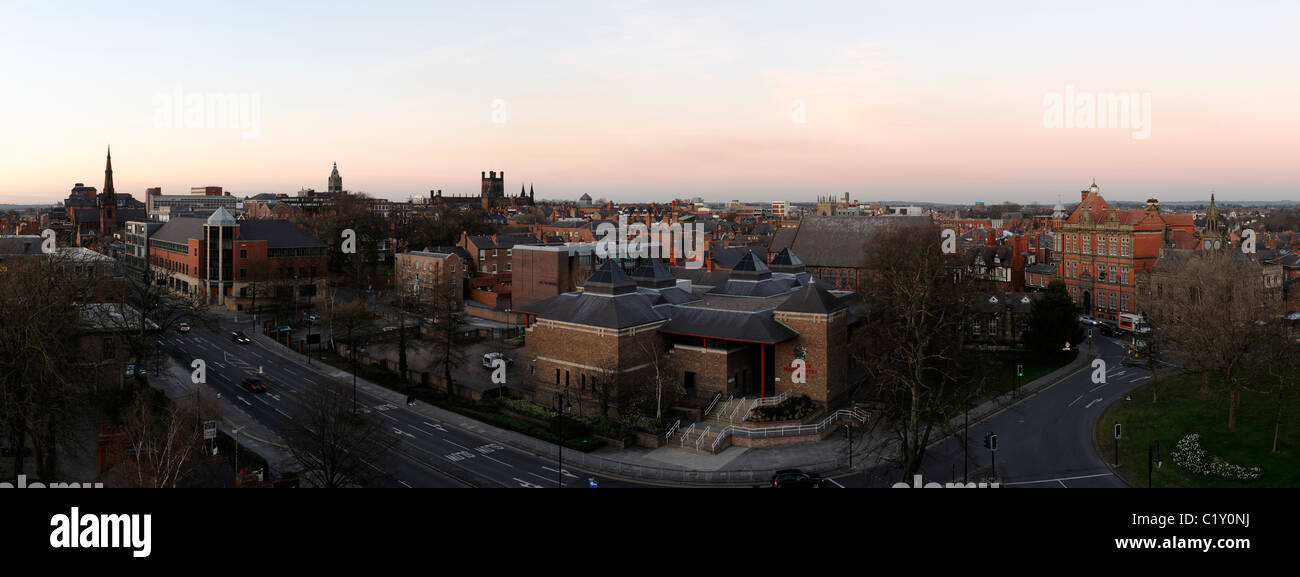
(838, 241)
(278, 234)
(810, 299)
(652, 273)
(727, 324)
(609, 279)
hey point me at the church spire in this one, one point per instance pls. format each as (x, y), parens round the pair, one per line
(108, 173)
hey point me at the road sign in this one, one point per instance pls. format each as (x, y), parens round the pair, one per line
(209, 429)
(591, 481)
(130, 369)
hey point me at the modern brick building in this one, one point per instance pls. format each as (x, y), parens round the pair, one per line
(542, 271)
(234, 262)
(625, 334)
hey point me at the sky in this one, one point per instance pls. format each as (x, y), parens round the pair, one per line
(650, 101)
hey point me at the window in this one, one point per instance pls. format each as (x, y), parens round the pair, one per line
(494, 268)
(110, 350)
(508, 265)
(584, 383)
(557, 377)
(1113, 245)
(1123, 246)
(243, 273)
(1112, 277)
(1086, 245)
(482, 254)
(510, 252)
(1123, 303)
(243, 253)
(494, 252)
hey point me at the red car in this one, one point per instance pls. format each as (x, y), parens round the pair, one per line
(255, 385)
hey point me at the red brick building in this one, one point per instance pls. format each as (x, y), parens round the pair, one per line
(741, 337)
(1100, 251)
(234, 262)
(425, 275)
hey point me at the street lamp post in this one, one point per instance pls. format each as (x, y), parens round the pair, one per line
(560, 404)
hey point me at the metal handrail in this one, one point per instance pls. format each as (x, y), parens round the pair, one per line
(775, 400)
(687, 434)
(716, 396)
(740, 403)
(701, 437)
(790, 430)
(671, 430)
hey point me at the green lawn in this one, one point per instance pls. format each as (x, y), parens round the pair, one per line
(1183, 410)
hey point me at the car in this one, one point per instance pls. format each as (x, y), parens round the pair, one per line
(313, 318)
(183, 327)
(1087, 320)
(284, 329)
(387, 329)
(489, 360)
(1111, 329)
(254, 385)
(795, 479)
(240, 337)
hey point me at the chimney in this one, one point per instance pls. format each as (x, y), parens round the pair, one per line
(1083, 195)
(1153, 205)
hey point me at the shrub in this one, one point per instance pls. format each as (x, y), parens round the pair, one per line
(1189, 455)
(791, 409)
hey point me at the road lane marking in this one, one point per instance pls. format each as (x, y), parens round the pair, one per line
(283, 413)
(439, 427)
(541, 477)
(1059, 479)
(244, 400)
(526, 484)
(1074, 401)
(564, 472)
(404, 484)
(1092, 402)
(832, 481)
(1097, 387)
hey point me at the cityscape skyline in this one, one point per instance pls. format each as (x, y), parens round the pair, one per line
(633, 102)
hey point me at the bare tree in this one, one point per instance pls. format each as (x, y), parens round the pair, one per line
(920, 304)
(336, 446)
(166, 436)
(1213, 306)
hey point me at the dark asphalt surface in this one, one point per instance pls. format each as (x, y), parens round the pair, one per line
(431, 453)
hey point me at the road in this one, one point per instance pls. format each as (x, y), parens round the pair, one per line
(432, 453)
(1046, 440)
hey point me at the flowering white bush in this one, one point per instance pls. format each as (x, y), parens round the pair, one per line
(1189, 455)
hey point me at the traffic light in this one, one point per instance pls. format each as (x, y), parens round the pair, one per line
(994, 442)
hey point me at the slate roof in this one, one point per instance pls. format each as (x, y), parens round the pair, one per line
(725, 324)
(838, 241)
(811, 299)
(598, 310)
(609, 279)
(652, 273)
(278, 234)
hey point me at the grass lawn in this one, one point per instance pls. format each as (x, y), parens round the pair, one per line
(1183, 410)
(1000, 371)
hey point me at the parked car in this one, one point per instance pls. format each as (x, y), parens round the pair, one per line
(284, 329)
(387, 329)
(1087, 320)
(313, 318)
(254, 385)
(183, 327)
(795, 479)
(489, 360)
(1111, 330)
(240, 337)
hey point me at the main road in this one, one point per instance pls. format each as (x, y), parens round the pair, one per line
(1046, 440)
(432, 452)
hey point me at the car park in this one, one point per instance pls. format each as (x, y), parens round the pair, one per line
(795, 479)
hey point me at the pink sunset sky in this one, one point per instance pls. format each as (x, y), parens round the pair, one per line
(632, 101)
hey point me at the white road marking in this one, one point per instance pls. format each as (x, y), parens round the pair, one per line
(1059, 479)
(832, 481)
(526, 484)
(439, 427)
(244, 400)
(283, 413)
(1097, 387)
(1092, 402)
(274, 396)
(1074, 401)
(565, 472)
(541, 477)
(404, 484)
